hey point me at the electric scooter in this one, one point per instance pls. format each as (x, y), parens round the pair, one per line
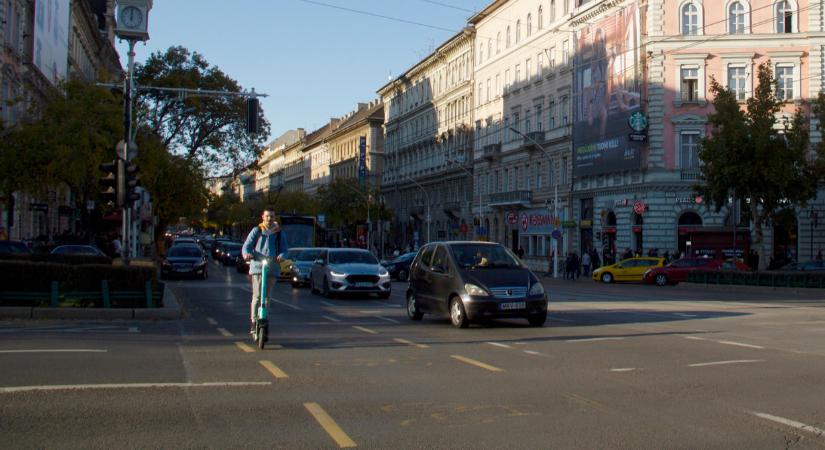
(261, 335)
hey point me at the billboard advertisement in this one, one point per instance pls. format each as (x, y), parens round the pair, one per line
(608, 82)
(362, 159)
(51, 38)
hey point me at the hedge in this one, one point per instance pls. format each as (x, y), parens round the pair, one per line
(767, 278)
(58, 259)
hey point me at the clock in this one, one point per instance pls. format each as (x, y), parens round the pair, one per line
(131, 17)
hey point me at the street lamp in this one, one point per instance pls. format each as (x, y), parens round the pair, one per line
(555, 197)
(426, 196)
(461, 166)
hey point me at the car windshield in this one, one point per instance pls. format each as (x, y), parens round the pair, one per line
(76, 250)
(349, 257)
(479, 256)
(184, 252)
(309, 255)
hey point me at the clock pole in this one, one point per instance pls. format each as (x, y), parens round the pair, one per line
(126, 226)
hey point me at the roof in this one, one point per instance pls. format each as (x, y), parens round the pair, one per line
(486, 11)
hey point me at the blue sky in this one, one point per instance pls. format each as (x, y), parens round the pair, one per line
(314, 61)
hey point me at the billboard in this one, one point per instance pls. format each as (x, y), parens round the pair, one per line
(608, 82)
(51, 38)
(362, 159)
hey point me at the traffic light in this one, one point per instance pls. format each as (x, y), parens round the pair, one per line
(252, 115)
(110, 182)
(131, 182)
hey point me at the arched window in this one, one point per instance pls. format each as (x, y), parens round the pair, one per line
(489, 48)
(736, 18)
(518, 31)
(498, 42)
(552, 10)
(690, 218)
(690, 19)
(529, 24)
(507, 38)
(541, 18)
(784, 17)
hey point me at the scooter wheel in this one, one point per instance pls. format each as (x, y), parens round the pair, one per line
(261, 337)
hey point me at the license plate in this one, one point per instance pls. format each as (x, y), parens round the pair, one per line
(512, 305)
(362, 284)
(183, 269)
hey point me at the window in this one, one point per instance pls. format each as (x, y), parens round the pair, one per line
(480, 53)
(529, 25)
(507, 38)
(489, 48)
(690, 20)
(538, 175)
(498, 42)
(736, 18)
(541, 18)
(784, 82)
(552, 10)
(565, 52)
(784, 17)
(506, 78)
(518, 31)
(480, 92)
(489, 87)
(539, 118)
(539, 64)
(552, 57)
(690, 84)
(516, 120)
(563, 173)
(737, 81)
(551, 115)
(565, 6)
(528, 68)
(564, 111)
(689, 150)
(518, 74)
(498, 85)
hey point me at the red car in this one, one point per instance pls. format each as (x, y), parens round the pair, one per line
(678, 270)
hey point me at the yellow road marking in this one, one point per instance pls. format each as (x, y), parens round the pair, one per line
(225, 332)
(586, 401)
(329, 425)
(404, 341)
(273, 369)
(365, 330)
(477, 363)
(211, 321)
(244, 347)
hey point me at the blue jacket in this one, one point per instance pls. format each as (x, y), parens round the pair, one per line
(267, 243)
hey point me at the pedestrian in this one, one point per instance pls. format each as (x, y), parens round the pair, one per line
(117, 246)
(520, 253)
(265, 241)
(586, 261)
(594, 260)
(576, 265)
(667, 256)
(568, 266)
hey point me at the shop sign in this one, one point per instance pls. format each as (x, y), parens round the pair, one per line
(42, 207)
(637, 229)
(620, 203)
(690, 200)
(586, 224)
(568, 224)
(609, 229)
(512, 218)
(639, 207)
(538, 221)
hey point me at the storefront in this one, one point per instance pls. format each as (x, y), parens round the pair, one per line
(533, 230)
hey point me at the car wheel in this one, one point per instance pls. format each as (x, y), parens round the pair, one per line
(402, 275)
(326, 292)
(458, 315)
(537, 320)
(412, 308)
(661, 279)
(607, 277)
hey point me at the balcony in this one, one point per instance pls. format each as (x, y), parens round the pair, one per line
(491, 151)
(690, 174)
(529, 140)
(517, 199)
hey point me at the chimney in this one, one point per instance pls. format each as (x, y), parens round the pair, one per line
(362, 106)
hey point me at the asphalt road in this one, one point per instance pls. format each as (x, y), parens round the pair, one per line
(619, 366)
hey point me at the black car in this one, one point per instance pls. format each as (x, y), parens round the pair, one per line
(230, 253)
(184, 260)
(399, 268)
(473, 281)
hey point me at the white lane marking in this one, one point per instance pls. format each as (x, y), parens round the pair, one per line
(695, 338)
(370, 312)
(790, 423)
(596, 339)
(134, 330)
(57, 350)
(387, 319)
(391, 305)
(327, 304)
(531, 352)
(739, 344)
(365, 330)
(212, 321)
(719, 363)
(560, 320)
(331, 319)
(68, 387)
(225, 332)
(623, 369)
(296, 308)
(498, 344)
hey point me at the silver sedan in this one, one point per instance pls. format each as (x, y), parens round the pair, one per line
(349, 270)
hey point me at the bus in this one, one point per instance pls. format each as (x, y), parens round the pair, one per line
(301, 231)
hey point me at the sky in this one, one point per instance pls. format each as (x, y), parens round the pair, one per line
(316, 59)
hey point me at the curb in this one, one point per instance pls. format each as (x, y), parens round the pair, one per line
(170, 311)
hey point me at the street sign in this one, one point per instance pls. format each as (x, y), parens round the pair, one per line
(512, 218)
(556, 234)
(322, 219)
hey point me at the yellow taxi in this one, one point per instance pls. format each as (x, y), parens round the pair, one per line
(286, 261)
(631, 269)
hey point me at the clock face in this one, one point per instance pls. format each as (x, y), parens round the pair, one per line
(131, 17)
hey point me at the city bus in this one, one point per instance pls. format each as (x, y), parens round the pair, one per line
(301, 231)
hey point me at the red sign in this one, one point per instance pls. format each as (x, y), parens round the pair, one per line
(639, 207)
(463, 228)
(512, 218)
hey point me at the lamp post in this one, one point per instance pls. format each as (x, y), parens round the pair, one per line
(426, 196)
(461, 166)
(555, 197)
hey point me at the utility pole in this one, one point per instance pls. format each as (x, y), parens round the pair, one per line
(461, 166)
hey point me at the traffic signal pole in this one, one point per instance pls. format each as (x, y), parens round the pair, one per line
(126, 226)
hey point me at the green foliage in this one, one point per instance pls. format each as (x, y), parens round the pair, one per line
(211, 130)
(747, 154)
(30, 276)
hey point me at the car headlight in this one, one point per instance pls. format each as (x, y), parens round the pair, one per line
(383, 274)
(474, 290)
(337, 274)
(537, 289)
(166, 263)
(290, 267)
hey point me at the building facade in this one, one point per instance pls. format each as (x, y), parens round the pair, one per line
(428, 120)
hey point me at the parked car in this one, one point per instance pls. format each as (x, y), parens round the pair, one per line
(302, 266)
(399, 268)
(184, 260)
(810, 266)
(677, 271)
(14, 247)
(349, 270)
(631, 269)
(474, 281)
(88, 250)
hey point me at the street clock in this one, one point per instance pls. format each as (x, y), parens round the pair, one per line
(133, 19)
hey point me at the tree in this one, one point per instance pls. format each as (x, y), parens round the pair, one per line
(746, 154)
(209, 129)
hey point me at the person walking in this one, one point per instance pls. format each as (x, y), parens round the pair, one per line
(586, 261)
(268, 241)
